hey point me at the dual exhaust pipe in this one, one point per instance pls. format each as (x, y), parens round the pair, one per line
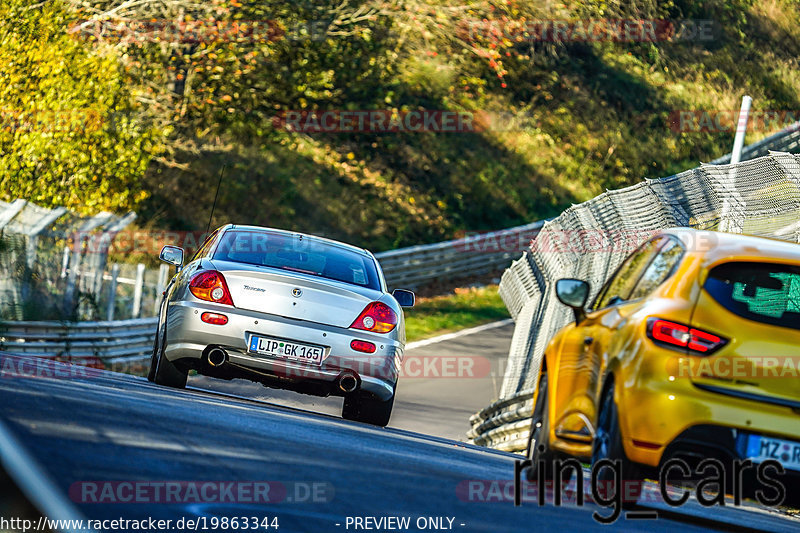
(217, 357)
(348, 382)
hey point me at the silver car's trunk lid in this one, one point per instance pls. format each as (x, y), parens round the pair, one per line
(295, 295)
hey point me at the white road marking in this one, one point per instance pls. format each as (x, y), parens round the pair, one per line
(460, 333)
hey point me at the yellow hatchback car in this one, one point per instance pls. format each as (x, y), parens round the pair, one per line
(690, 350)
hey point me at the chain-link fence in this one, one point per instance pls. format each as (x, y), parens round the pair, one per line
(588, 241)
(47, 268)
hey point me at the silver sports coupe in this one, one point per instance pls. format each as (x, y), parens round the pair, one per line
(287, 310)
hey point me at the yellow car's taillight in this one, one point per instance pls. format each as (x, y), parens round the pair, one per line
(675, 335)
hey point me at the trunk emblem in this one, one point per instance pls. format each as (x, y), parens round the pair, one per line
(297, 293)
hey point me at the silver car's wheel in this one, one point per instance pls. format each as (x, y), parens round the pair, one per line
(162, 370)
(366, 408)
(151, 375)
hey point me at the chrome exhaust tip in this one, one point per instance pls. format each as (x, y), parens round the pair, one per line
(217, 357)
(348, 383)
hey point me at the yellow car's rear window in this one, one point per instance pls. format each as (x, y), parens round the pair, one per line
(764, 292)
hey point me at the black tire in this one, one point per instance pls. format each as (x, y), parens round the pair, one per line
(162, 370)
(539, 452)
(368, 409)
(151, 375)
(608, 445)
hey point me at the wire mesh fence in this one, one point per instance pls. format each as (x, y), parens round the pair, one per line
(760, 196)
(47, 269)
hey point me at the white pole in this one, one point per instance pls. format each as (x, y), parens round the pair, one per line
(112, 292)
(728, 217)
(137, 291)
(741, 129)
(65, 262)
(163, 275)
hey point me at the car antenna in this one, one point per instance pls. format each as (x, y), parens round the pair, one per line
(214, 205)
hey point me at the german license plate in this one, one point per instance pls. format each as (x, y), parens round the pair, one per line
(283, 349)
(761, 448)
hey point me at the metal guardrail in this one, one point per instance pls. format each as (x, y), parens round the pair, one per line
(504, 425)
(415, 266)
(119, 344)
(787, 140)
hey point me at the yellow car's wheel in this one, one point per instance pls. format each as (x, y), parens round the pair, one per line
(539, 451)
(608, 446)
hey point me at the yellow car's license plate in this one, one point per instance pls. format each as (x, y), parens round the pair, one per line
(761, 448)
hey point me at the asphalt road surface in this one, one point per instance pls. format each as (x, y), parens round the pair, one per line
(443, 384)
(118, 446)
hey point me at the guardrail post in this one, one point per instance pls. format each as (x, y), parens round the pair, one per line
(163, 274)
(112, 292)
(137, 291)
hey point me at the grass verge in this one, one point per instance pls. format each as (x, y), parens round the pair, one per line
(464, 308)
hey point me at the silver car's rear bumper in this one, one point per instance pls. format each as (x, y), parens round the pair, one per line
(188, 337)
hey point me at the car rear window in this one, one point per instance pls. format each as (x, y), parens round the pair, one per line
(298, 254)
(764, 292)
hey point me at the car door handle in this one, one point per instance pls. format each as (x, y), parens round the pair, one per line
(588, 340)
